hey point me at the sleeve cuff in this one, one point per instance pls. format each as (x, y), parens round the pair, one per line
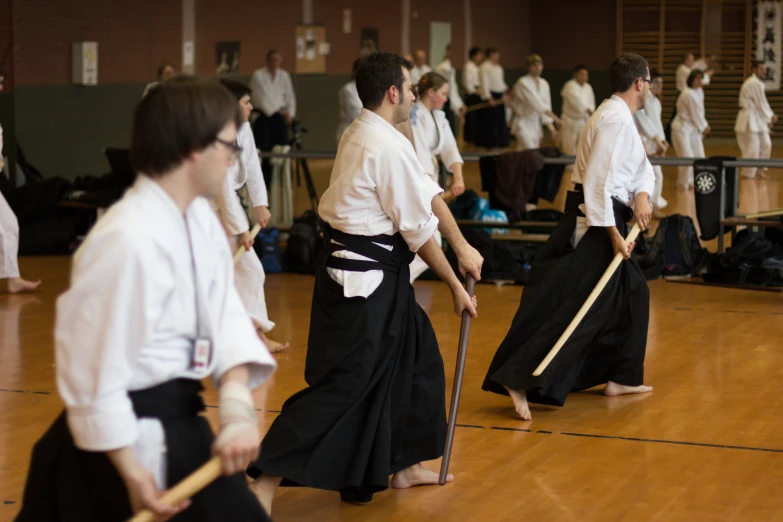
(254, 355)
(105, 425)
(416, 238)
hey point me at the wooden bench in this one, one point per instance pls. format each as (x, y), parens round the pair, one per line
(754, 225)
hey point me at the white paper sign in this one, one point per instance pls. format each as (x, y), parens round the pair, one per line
(324, 48)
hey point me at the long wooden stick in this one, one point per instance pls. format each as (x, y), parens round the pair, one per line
(462, 354)
(766, 213)
(253, 233)
(188, 487)
(480, 106)
(618, 258)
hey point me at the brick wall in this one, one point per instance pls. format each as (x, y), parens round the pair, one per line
(133, 37)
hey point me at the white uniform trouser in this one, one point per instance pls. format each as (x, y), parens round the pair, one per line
(687, 144)
(529, 133)
(754, 145)
(657, 198)
(418, 266)
(9, 241)
(249, 277)
(569, 136)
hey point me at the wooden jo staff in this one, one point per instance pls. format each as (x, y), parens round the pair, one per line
(188, 487)
(766, 213)
(618, 258)
(462, 353)
(207, 473)
(253, 233)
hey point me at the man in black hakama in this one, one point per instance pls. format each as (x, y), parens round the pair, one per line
(613, 181)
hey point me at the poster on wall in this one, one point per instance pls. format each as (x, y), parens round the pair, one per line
(227, 58)
(311, 49)
(368, 41)
(769, 29)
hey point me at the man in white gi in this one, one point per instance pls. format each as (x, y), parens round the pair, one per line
(613, 182)
(9, 235)
(375, 405)
(532, 104)
(420, 67)
(249, 275)
(754, 120)
(273, 95)
(650, 126)
(151, 311)
(578, 105)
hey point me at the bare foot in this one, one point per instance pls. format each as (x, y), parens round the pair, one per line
(613, 389)
(416, 475)
(273, 346)
(520, 403)
(264, 489)
(762, 175)
(17, 284)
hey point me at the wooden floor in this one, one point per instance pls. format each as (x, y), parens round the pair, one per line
(706, 445)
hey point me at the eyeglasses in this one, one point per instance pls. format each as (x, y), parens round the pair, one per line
(646, 80)
(233, 146)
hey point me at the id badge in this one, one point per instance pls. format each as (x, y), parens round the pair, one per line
(201, 354)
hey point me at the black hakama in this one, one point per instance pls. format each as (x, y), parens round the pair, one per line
(269, 131)
(66, 484)
(610, 342)
(375, 401)
(492, 131)
(472, 125)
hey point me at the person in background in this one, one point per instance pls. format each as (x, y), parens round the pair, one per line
(274, 97)
(350, 104)
(9, 235)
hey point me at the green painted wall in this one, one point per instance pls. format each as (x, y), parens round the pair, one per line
(63, 129)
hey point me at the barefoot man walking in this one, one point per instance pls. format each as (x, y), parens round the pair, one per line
(613, 182)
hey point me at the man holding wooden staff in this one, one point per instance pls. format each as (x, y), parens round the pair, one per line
(151, 311)
(374, 405)
(613, 182)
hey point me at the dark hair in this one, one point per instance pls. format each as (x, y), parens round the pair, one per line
(473, 52)
(356, 64)
(696, 73)
(655, 74)
(686, 55)
(162, 67)
(579, 67)
(177, 118)
(2, 72)
(271, 52)
(491, 50)
(377, 73)
(753, 64)
(430, 80)
(625, 70)
(238, 89)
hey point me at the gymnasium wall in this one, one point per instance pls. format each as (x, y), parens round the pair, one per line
(63, 128)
